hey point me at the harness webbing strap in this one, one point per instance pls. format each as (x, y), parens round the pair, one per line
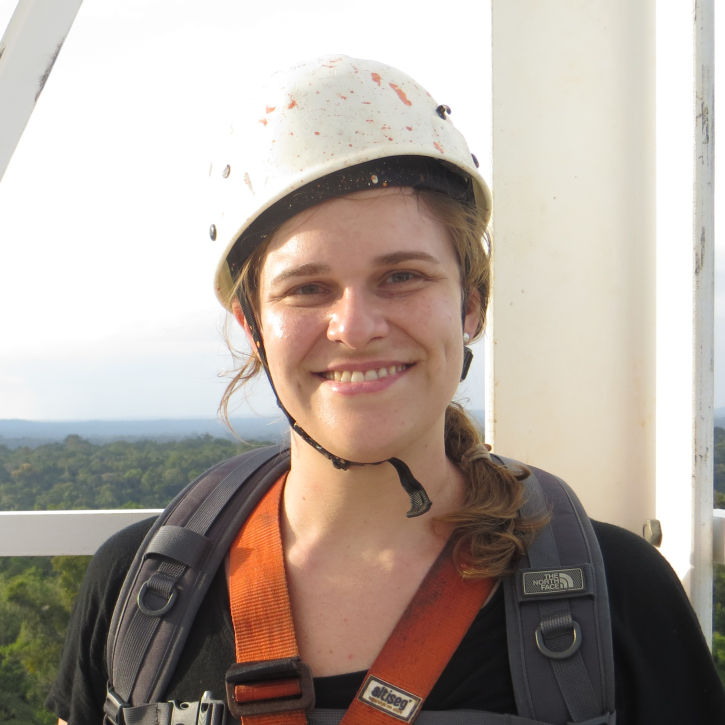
(261, 613)
(404, 672)
(421, 644)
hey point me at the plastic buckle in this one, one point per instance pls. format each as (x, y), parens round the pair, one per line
(113, 707)
(287, 668)
(207, 711)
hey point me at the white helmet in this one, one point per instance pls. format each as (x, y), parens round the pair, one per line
(320, 117)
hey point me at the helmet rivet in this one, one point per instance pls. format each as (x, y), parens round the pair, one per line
(443, 111)
(475, 160)
(227, 171)
(212, 232)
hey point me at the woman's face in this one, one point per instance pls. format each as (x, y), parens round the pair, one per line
(360, 311)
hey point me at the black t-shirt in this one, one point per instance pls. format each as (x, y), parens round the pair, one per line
(663, 669)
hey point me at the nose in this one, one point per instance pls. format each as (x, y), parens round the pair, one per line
(356, 319)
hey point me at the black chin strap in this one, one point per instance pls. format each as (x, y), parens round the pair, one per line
(419, 501)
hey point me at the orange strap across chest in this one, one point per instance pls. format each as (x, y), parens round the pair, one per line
(269, 685)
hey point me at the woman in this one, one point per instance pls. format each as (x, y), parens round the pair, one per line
(354, 215)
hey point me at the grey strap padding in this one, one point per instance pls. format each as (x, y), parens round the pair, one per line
(434, 717)
(143, 647)
(580, 687)
(556, 621)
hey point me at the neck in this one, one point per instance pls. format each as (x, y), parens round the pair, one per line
(364, 507)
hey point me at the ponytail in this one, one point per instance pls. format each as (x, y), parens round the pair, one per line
(488, 527)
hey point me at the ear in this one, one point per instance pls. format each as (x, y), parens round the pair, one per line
(242, 320)
(473, 308)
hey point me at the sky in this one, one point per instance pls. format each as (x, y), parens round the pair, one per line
(106, 264)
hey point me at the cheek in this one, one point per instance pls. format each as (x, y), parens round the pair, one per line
(288, 338)
(274, 327)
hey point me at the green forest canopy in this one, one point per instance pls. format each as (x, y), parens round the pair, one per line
(77, 474)
(37, 593)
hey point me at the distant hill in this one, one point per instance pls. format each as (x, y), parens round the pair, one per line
(15, 433)
(720, 417)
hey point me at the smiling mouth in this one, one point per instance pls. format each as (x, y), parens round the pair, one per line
(362, 376)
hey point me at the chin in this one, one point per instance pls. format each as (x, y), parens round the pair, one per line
(370, 442)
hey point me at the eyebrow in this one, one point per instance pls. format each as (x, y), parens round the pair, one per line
(399, 257)
(312, 269)
(304, 270)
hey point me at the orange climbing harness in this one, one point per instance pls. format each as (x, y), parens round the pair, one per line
(270, 685)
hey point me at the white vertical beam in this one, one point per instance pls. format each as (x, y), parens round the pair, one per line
(28, 50)
(675, 203)
(572, 341)
(685, 294)
(703, 301)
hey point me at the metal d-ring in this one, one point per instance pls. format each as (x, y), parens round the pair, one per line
(568, 652)
(154, 612)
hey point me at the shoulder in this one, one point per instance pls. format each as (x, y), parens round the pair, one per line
(115, 556)
(644, 592)
(658, 643)
(79, 689)
(636, 569)
(105, 576)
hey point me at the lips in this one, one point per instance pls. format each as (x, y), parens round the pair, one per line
(362, 376)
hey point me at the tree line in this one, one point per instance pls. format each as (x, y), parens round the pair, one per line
(37, 593)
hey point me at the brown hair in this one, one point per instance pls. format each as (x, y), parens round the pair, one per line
(488, 526)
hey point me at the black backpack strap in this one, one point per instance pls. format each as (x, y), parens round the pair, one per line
(557, 614)
(170, 576)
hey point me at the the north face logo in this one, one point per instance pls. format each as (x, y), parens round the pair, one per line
(553, 581)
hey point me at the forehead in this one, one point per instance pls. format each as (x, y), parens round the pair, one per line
(361, 226)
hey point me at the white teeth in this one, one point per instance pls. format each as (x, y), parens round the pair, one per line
(360, 376)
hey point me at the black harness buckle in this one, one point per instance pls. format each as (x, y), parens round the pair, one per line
(113, 707)
(249, 673)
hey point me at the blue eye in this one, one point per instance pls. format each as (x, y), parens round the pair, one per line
(308, 289)
(402, 276)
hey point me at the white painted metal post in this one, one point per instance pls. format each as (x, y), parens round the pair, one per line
(572, 336)
(703, 301)
(685, 293)
(28, 50)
